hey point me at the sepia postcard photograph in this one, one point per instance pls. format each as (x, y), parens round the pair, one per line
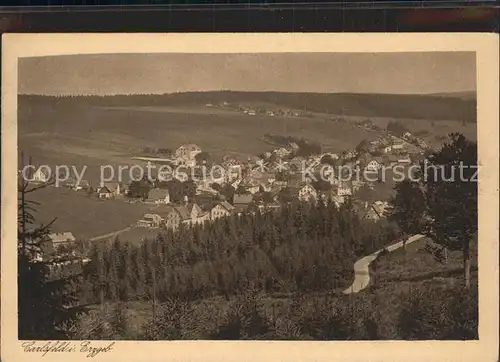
(222, 197)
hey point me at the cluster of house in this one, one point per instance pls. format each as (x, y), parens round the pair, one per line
(173, 215)
(389, 151)
(264, 175)
(418, 141)
(58, 252)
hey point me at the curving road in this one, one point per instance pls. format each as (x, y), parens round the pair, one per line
(361, 267)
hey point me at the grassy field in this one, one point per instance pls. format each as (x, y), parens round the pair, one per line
(396, 274)
(82, 215)
(137, 235)
(92, 135)
(416, 264)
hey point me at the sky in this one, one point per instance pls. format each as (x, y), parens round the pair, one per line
(391, 73)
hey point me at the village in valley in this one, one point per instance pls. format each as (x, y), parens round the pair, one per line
(296, 170)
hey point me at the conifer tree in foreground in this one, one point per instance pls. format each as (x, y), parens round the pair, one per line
(47, 308)
(443, 204)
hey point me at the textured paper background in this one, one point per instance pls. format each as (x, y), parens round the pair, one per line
(15, 46)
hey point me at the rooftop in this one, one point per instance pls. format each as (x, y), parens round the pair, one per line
(62, 237)
(242, 198)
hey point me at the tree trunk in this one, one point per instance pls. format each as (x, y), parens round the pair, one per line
(466, 257)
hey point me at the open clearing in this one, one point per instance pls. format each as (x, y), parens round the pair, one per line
(87, 132)
(396, 274)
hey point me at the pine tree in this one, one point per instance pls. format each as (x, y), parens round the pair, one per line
(37, 291)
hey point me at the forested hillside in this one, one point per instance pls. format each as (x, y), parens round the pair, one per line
(300, 249)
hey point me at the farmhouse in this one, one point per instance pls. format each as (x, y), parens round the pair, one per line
(282, 152)
(158, 196)
(187, 152)
(104, 193)
(222, 209)
(56, 243)
(375, 164)
(195, 214)
(233, 172)
(241, 202)
(151, 221)
(377, 210)
(109, 190)
(172, 216)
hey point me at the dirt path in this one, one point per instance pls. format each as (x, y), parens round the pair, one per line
(361, 267)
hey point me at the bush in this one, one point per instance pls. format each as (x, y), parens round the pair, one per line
(245, 319)
(171, 321)
(439, 314)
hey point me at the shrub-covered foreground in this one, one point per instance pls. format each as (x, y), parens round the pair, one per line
(426, 312)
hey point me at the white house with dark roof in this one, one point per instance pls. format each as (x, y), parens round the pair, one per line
(187, 151)
(40, 176)
(55, 242)
(158, 196)
(109, 190)
(222, 209)
(104, 193)
(150, 220)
